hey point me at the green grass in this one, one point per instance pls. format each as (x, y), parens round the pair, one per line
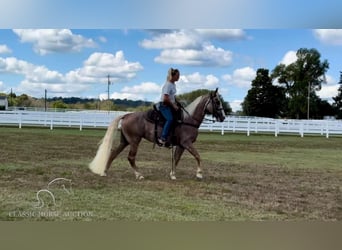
(287, 151)
(260, 177)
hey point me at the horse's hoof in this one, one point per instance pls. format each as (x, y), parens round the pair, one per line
(199, 176)
(173, 177)
(140, 177)
(103, 174)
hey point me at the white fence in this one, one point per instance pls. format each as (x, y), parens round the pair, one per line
(94, 119)
(101, 119)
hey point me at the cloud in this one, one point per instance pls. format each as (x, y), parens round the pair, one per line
(4, 49)
(47, 41)
(329, 36)
(329, 90)
(290, 57)
(136, 92)
(242, 77)
(143, 88)
(2, 86)
(192, 47)
(95, 70)
(173, 40)
(207, 56)
(99, 65)
(236, 105)
(188, 83)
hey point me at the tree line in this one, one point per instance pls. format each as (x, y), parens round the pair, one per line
(289, 91)
(91, 103)
(25, 100)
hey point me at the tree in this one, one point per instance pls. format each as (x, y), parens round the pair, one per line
(301, 79)
(59, 104)
(337, 105)
(23, 100)
(264, 99)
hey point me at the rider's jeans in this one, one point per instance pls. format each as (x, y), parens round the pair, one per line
(167, 113)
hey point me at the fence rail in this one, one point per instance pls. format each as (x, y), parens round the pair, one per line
(101, 119)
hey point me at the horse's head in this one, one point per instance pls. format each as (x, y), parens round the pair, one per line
(215, 107)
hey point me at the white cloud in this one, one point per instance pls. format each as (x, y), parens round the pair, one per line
(143, 88)
(99, 65)
(13, 65)
(4, 49)
(207, 56)
(241, 77)
(136, 92)
(188, 83)
(328, 90)
(95, 70)
(54, 40)
(173, 40)
(192, 47)
(2, 86)
(290, 57)
(329, 36)
(236, 105)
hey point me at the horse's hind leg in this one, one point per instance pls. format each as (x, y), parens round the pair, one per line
(114, 153)
(131, 158)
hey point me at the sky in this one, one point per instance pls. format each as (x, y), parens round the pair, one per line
(69, 49)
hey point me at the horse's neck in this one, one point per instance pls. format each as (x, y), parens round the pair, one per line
(196, 109)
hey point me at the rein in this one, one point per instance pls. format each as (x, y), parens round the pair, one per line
(198, 121)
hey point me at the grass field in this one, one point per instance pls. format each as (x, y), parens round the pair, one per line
(260, 177)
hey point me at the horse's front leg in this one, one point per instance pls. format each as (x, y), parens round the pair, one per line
(177, 155)
(194, 152)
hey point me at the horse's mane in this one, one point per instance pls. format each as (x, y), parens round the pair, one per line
(192, 106)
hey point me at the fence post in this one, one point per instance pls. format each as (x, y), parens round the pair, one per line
(81, 122)
(20, 117)
(234, 124)
(301, 129)
(51, 122)
(248, 127)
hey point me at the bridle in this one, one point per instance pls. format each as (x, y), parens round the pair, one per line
(216, 109)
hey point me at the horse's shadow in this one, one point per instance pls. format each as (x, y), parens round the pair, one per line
(48, 193)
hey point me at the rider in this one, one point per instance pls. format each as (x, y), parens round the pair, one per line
(168, 102)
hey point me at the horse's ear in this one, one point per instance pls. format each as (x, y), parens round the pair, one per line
(216, 91)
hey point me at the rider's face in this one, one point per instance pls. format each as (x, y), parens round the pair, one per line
(175, 77)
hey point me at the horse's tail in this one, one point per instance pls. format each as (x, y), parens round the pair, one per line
(98, 165)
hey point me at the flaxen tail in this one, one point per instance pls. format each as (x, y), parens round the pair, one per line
(98, 165)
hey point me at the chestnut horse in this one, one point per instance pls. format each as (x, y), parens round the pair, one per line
(134, 126)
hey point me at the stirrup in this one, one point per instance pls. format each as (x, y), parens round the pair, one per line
(161, 142)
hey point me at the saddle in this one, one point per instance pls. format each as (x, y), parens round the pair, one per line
(155, 116)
